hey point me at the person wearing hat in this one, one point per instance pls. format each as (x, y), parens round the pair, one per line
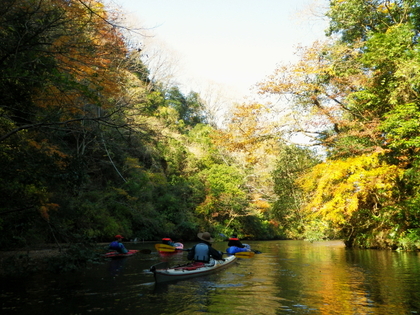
(117, 245)
(202, 252)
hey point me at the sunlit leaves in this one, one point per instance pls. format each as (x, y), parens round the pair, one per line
(353, 19)
(339, 189)
(225, 198)
(402, 126)
(323, 92)
(250, 134)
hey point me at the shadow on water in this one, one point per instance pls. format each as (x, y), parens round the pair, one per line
(289, 277)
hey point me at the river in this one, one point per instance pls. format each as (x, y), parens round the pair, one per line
(289, 277)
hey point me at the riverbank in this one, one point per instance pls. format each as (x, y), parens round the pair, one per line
(52, 257)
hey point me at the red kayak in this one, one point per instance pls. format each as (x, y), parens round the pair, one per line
(118, 255)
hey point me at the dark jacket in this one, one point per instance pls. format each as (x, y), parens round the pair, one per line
(215, 254)
(235, 242)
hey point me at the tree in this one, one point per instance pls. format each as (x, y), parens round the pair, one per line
(358, 94)
(293, 162)
(189, 108)
(354, 196)
(62, 77)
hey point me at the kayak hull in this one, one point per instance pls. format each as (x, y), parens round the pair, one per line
(233, 249)
(120, 255)
(163, 274)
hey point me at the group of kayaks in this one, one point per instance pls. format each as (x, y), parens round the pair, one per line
(163, 273)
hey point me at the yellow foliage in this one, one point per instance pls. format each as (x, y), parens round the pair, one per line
(339, 188)
(262, 205)
(249, 134)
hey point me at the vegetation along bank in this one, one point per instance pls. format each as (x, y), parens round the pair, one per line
(92, 145)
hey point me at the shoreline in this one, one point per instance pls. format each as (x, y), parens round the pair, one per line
(51, 258)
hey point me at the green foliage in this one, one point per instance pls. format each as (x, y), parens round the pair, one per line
(410, 240)
(402, 127)
(76, 256)
(189, 108)
(292, 163)
(316, 230)
(224, 200)
(90, 147)
(354, 19)
(360, 92)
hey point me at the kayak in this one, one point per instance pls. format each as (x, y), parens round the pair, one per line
(179, 246)
(119, 255)
(233, 249)
(162, 273)
(163, 248)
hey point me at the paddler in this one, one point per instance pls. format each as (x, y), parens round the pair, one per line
(168, 241)
(235, 245)
(234, 241)
(117, 245)
(202, 252)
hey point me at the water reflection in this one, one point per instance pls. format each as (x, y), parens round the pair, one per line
(289, 277)
(117, 265)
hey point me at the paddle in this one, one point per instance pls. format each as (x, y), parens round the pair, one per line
(113, 253)
(243, 254)
(170, 249)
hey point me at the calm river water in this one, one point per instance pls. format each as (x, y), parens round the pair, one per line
(289, 277)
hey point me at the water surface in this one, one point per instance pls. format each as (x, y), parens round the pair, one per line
(289, 277)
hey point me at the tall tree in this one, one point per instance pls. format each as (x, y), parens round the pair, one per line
(293, 162)
(358, 94)
(61, 77)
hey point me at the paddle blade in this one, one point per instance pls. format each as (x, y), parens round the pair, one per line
(165, 248)
(245, 254)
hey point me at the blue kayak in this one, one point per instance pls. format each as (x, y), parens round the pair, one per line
(233, 249)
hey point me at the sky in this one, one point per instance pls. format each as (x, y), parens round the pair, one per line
(230, 43)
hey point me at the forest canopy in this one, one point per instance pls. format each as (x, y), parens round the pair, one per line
(91, 145)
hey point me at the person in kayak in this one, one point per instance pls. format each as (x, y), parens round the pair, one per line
(168, 241)
(235, 245)
(202, 252)
(117, 245)
(234, 241)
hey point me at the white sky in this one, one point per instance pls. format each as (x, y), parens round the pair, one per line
(233, 43)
